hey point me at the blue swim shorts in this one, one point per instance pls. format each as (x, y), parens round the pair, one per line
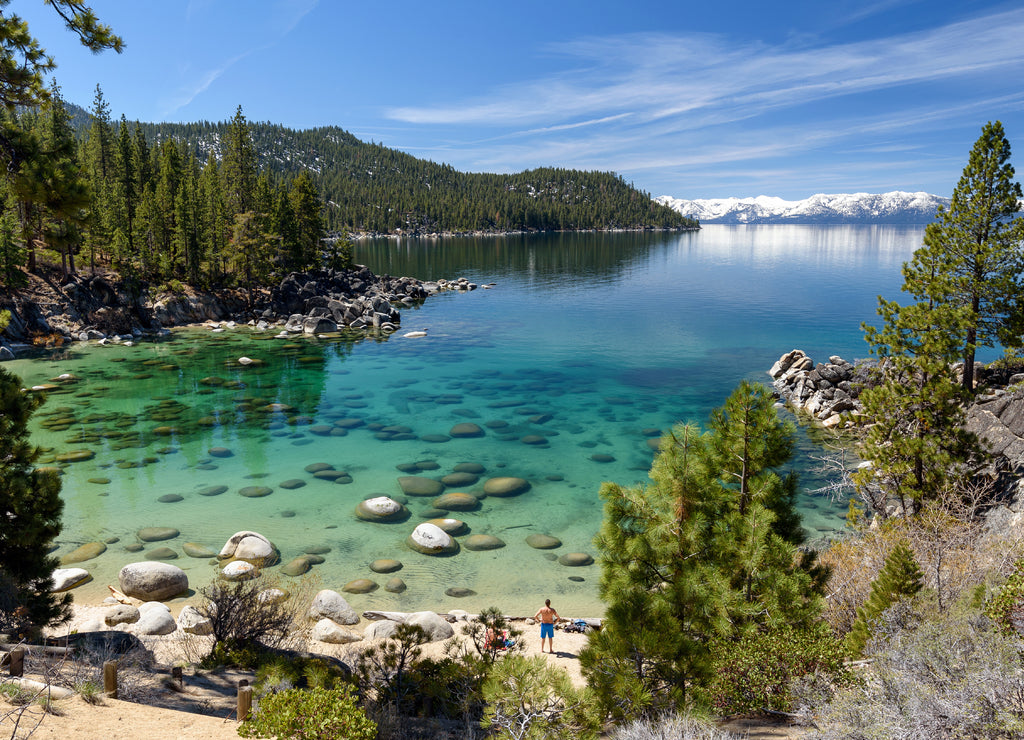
(547, 630)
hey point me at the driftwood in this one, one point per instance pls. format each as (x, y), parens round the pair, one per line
(55, 692)
(47, 649)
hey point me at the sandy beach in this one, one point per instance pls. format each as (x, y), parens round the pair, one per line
(175, 714)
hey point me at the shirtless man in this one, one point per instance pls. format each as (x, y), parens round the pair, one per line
(547, 618)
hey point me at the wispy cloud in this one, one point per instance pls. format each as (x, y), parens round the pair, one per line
(285, 18)
(701, 98)
(201, 85)
(661, 75)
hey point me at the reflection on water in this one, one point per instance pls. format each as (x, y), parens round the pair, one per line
(584, 350)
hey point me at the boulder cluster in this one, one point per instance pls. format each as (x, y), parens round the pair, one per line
(324, 300)
(827, 391)
(315, 302)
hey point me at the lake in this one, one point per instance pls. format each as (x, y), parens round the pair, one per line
(582, 348)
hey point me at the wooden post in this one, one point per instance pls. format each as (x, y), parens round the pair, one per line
(177, 675)
(244, 700)
(110, 678)
(17, 662)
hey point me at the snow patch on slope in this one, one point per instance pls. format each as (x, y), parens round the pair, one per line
(896, 207)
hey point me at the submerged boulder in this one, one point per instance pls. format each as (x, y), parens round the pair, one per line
(430, 539)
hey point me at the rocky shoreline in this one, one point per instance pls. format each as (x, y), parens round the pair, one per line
(829, 393)
(105, 309)
(420, 234)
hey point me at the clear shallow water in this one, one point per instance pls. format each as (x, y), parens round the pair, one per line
(589, 342)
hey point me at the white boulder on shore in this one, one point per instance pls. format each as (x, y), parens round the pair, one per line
(331, 605)
(152, 580)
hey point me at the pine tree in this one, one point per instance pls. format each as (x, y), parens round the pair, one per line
(99, 159)
(251, 253)
(899, 578)
(67, 196)
(758, 526)
(971, 258)
(24, 63)
(238, 167)
(695, 555)
(30, 506)
(124, 203)
(916, 442)
(309, 228)
(663, 596)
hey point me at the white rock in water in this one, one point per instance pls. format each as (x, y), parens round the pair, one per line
(414, 334)
(239, 570)
(430, 538)
(251, 546)
(379, 507)
(65, 578)
(245, 361)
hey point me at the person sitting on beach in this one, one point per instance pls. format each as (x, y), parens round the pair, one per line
(547, 618)
(493, 640)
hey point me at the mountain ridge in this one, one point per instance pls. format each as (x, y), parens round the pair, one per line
(895, 207)
(371, 188)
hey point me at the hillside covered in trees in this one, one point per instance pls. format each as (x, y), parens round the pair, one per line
(237, 203)
(370, 187)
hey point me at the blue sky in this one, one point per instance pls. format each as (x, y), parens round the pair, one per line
(694, 100)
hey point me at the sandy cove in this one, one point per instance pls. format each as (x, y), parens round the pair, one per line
(175, 714)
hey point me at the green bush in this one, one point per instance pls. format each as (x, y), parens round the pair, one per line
(310, 714)
(1007, 605)
(449, 687)
(230, 653)
(756, 671)
(530, 699)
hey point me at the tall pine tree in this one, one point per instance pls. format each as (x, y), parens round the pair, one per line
(971, 258)
(30, 506)
(705, 551)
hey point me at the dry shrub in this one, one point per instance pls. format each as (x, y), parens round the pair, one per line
(936, 674)
(954, 553)
(672, 727)
(83, 670)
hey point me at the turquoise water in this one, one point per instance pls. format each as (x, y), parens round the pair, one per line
(582, 350)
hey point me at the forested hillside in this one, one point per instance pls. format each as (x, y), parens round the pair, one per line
(238, 203)
(371, 188)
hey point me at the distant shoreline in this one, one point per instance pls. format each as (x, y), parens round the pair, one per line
(363, 235)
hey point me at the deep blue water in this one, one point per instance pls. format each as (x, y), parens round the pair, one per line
(587, 342)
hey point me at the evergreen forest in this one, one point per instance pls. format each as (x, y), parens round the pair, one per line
(236, 202)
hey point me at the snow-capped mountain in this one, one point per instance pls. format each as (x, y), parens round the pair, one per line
(857, 208)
